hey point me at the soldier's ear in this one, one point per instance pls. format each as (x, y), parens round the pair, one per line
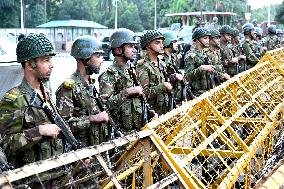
(118, 50)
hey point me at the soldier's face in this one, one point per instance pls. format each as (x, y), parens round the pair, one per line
(204, 41)
(215, 41)
(175, 45)
(95, 61)
(130, 51)
(156, 45)
(227, 37)
(44, 65)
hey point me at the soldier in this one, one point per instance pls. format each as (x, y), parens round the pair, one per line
(117, 86)
(251, 51)
(214, 24)
(271, 41)
(150, 71)
(238, 51)
(170, 47)
(200, 71)
(280, 40)
(75, 100)
(28, 134)
(259, 41)
(254, 22)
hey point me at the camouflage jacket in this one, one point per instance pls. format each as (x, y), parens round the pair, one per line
(126, 111)
(152, 80)
(272, 42)
(171, 68)
(251, 51)
(76, 105)
(226, 56)
(19, 120)
(201, 81)
(237, 51)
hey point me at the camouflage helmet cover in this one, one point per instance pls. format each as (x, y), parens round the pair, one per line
(226, 29)
(248, 27)
(200, 32)
(122, 36)
(149, 36)
(170, 36)
(33, 46)
(214, 33)
(235, 32)
(272, 29)
(85, 46)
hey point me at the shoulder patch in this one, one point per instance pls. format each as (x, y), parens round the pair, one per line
(12, 94)
(68, 83)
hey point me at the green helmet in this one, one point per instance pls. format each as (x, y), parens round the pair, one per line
(170, 36)
(248, 27)
(200, 32)
(214, 33)
(85, 46)
(235, 32)
(33, 46)
(272, 29)
(122, 36)
(149, 36)
(226, 29)
(258, 31)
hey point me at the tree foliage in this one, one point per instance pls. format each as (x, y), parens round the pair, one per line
(134, 14)
(279, 17)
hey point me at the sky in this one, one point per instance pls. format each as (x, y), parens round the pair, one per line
(261, 3)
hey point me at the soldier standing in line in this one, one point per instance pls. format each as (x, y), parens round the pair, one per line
(199, 65)
(271, 41)
(74, 98)
(28, 134)
(150, 71)
(260, 42)
(249, 46)
(117, 86)
(279, 34)
(229, 61)
(174, 75)
(238, 51)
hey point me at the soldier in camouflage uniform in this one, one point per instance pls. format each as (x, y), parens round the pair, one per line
(117, 86)
(229, 61)
(74, 98)
(271, 41)
(238, 52)
(199, 69)
(28, 134)
(280, 40)
(175, 77)
(260, 41)
(251, 50)
(150, 72)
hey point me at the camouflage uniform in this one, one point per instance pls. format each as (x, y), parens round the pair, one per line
(18, 123)
(76, 105)
(271, 41)
(202, 81)
(151, 79)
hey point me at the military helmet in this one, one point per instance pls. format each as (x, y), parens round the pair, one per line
(122, 36)
(33, 46)
(149, 36)
(248, 27)
(279, 31)
(272, 29)
(214, 33)
(226, 29)
(254, 21)
(235, 32)
(200, 32)
(258, 31)
(170, 36)
(85, 46)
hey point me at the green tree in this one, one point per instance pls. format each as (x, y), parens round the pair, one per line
(10, 14)
(130, 18)
(279, 17)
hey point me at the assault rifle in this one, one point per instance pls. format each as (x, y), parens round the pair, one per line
(170, 93)
(146, 113)
(111, 127)
(57, 119)
(185, 88)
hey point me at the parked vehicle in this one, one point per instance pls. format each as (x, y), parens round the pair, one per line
(107, 48)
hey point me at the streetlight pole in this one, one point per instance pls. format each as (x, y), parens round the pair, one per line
(114, 3)
(155, 22)
(22, 16)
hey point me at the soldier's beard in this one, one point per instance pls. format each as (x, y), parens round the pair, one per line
(92, 70)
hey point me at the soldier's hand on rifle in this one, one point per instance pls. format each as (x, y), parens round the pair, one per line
(207, 68)
(137, 90)
(51, 130)
(226, 76)
(168, 86)
(242, 57)
(100, 117)
(234, 60)
(178, 77)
